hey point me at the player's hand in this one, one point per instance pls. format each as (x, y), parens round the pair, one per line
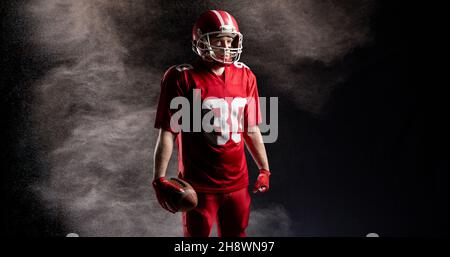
(163, 189)
(262, 183)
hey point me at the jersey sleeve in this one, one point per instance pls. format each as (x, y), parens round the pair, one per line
(171, 87)
(252, 111)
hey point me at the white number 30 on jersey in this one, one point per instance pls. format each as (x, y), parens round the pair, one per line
(220, 123)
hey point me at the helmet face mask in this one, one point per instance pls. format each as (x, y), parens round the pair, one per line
(225, 55)
(217, 24)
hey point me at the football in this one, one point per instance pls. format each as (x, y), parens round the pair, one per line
(185, 200)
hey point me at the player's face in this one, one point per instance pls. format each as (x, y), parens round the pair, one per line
(224, 42)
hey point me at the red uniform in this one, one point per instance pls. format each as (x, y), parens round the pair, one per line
(214, 162)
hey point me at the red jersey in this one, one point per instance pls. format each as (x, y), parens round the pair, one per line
(212, 161)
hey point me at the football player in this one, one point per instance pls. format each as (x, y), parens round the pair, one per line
(213, 162)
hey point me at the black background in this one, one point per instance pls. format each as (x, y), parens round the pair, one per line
(382, 166)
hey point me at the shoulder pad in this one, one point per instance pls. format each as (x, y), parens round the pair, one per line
(183, 67)
(240, 65)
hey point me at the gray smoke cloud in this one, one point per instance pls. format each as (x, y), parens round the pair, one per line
(94, 108)
(298, 45)
(95, 113)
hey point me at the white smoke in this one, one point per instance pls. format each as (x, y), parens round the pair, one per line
(299, 44)
(274, 221)
(96, 118)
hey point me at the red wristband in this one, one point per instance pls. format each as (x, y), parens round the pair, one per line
(264, 171)
(158, 180)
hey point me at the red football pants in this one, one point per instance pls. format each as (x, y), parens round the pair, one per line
(230, 210)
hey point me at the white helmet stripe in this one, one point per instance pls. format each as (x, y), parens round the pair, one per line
(219, 17)
(230, 21)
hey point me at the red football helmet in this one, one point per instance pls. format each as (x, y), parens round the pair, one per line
(215, 23)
